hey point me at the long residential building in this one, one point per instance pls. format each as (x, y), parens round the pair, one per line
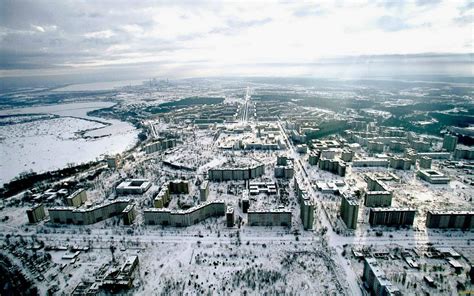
(391, 216)
(84, 216)
(228, 174)
(275, 217)
(182, 218)
(450, 219)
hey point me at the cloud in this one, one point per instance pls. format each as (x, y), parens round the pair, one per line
(60, 35)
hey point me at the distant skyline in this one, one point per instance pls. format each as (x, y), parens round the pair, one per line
(207, 38)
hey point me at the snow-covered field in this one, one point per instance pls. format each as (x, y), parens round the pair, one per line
(50, 144)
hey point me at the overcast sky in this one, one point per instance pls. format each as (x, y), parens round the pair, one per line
(195, 38)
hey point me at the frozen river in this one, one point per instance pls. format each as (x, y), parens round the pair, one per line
(68, 137)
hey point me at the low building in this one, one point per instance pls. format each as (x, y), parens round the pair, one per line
(269, 217)
(433, 176)
(183, 218)
(376, 280)
(450, 219)
(77, 198)
(349, 210)
(391, 217)
(256, 188)
(36, 213)
(133, 186)
(113, 162)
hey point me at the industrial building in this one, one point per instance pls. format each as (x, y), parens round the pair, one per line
(269, 217)
(433, 176)
(85, 216)
(182, 218)
(228, 174)
(349, 210)
(36, 213)
(378, 193)
(77, 198)
(391, 217)
(376, 280)
(133, 186)
(450, 219)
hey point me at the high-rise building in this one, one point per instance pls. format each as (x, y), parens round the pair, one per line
(450, 142)
(349, 211)
(36, 213)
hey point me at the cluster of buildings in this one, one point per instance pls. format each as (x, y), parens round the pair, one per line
(172, 187)
(433, 176)
(111, 279)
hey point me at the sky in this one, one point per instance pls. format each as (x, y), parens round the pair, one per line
(244, 38)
